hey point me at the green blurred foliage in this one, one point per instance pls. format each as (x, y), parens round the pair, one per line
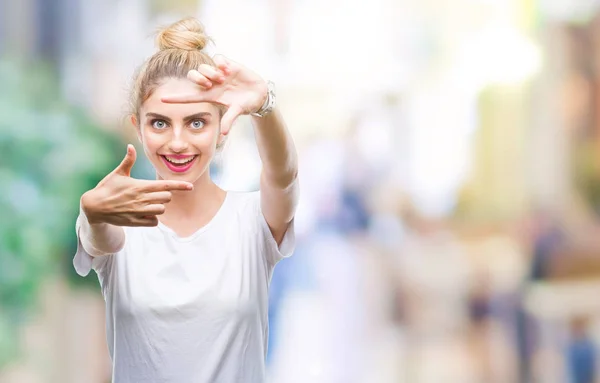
(51, 154)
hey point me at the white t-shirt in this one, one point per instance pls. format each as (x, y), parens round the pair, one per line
(191, 309)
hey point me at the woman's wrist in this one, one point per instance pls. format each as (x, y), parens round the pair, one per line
(268, 101)
(86, 208)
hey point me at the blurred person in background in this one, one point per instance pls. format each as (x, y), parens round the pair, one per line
(187, 294)
(563, 253)
(546, 237)
(581, 352)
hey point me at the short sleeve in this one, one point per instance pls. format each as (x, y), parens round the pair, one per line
(83, 262)
(274, 253)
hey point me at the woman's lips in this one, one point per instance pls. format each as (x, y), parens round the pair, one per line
(179, 163)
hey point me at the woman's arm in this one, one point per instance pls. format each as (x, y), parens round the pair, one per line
(120, 200)
(278, 182)
(98, 239)
(243, 92)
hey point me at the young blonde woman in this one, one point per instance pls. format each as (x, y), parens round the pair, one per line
(185, 266)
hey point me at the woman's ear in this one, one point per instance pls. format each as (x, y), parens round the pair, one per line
(135, 123)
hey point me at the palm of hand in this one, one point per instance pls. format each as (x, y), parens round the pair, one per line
(230, 84)
(242, 89)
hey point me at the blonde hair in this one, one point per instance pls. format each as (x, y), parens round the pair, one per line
(180, 47)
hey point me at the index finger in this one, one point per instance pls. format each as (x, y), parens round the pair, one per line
(185, 99)
(152, 186)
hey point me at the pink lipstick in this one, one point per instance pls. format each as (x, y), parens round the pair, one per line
(179, 163)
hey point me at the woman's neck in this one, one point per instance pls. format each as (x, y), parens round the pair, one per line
(195, 205)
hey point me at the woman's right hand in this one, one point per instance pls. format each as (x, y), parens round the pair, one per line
(124, 201)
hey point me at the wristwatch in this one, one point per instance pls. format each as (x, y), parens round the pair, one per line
(269, 104)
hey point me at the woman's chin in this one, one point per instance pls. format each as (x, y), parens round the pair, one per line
(191, 176)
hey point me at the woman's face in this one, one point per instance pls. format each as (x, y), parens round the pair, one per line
(179, 139)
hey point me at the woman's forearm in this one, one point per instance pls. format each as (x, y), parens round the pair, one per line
(98, 239)
(278, 181)
(276, 149)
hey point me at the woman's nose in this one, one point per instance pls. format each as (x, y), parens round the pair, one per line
(178, 144)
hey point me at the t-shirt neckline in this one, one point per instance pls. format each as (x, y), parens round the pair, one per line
(190, 237)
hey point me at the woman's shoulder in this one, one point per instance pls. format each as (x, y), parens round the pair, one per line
(246, 202)
(242, 197)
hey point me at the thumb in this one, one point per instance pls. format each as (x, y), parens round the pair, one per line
(229, 118)
(125, 166)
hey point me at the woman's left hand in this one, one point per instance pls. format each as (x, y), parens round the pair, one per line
(231, 84)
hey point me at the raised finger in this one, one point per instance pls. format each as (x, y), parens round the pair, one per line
(211, 73)
(165, 185)
(187, 98)
(200, 78)
(223, 63)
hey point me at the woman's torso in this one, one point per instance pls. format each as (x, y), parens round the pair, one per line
(190, 309)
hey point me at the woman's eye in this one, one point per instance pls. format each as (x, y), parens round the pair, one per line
(159, 124)
(197, 124)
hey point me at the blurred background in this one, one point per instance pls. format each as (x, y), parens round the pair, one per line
(449, 226)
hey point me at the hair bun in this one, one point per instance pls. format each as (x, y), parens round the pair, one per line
(187, 34)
